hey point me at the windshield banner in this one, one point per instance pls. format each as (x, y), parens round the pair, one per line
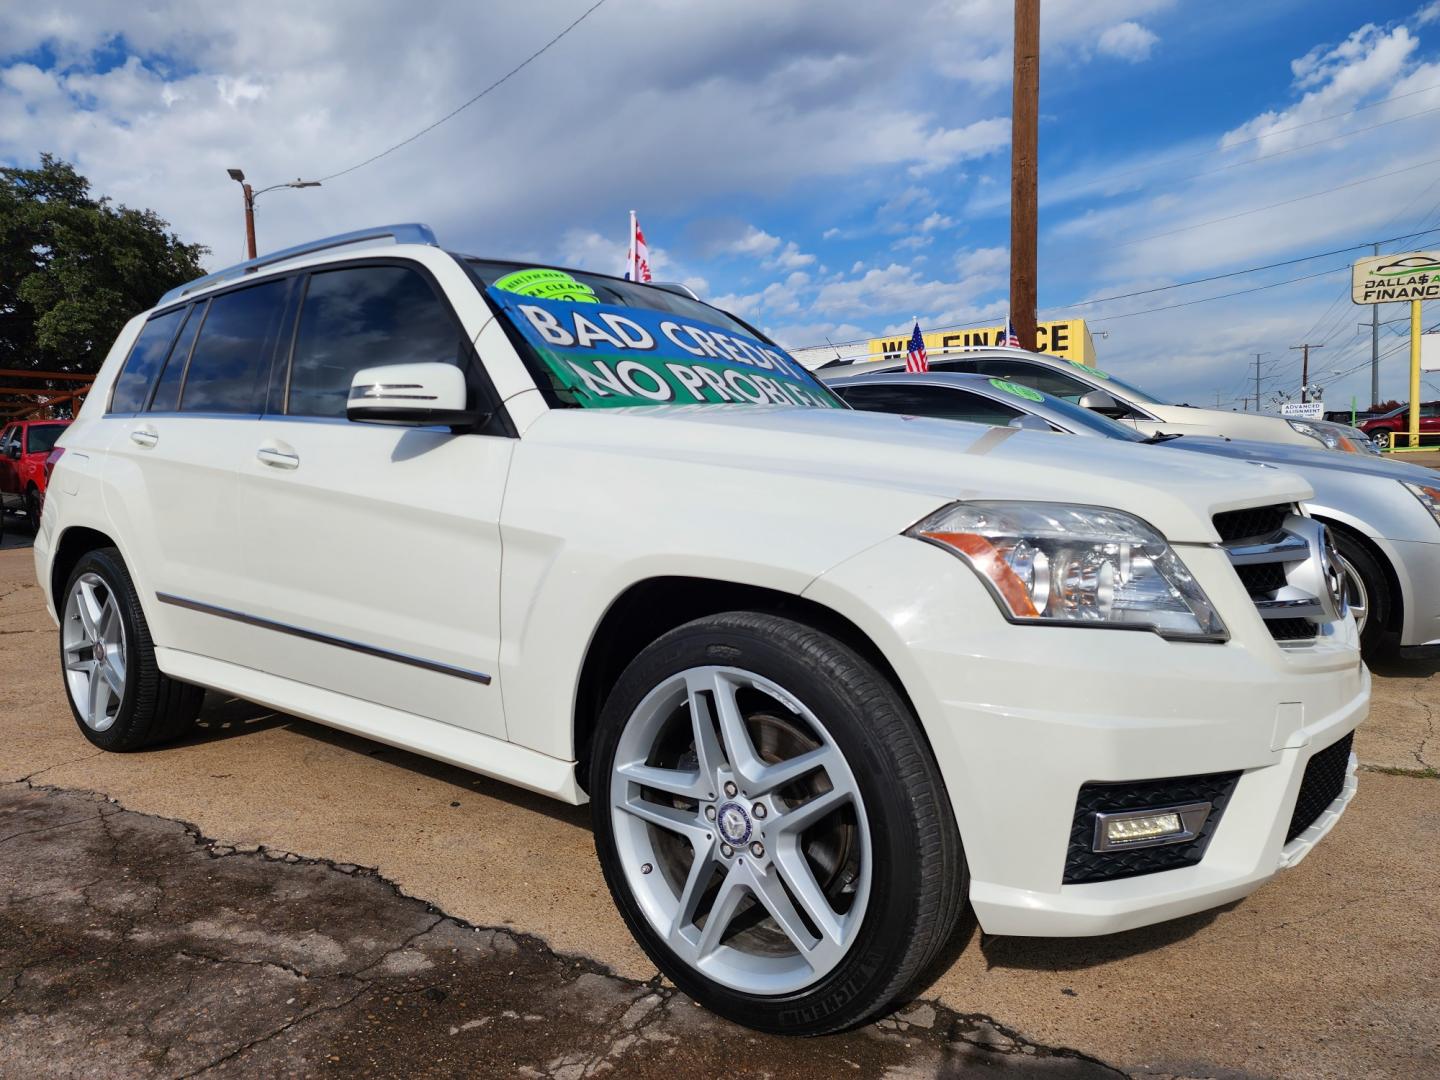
(610, 356)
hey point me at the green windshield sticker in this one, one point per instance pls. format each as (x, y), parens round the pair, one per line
(547, 285)
(1018, 390)
(1092, 370)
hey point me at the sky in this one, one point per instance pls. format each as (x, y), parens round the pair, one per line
(826, 171)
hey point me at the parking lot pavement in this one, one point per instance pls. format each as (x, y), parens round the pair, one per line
(1328, 970)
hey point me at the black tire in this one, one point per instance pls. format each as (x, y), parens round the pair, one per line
(34, 506)
(154, 708)
(919, 879)
(1376, 640)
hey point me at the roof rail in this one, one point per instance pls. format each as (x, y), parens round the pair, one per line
(676, 287)
(407, 233)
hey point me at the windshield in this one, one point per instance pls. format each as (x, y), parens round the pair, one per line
(42, 438)
(600, 342)
(1125, 390)
(1079, 419)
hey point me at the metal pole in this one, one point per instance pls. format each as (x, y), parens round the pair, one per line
(1257, 380)
(1024, 151)
(249, 220)
(1414, 374)
(1375, 349)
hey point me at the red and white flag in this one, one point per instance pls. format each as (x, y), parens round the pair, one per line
(637, 266)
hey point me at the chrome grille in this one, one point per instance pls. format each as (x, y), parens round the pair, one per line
(1280, 558)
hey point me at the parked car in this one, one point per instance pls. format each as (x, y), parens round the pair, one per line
(24, 446)
(609, 543)
(1384, 516)
(1348, 417)
(1113, 397)
(1392, 428)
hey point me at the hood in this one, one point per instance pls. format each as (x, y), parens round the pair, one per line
(1303, 458)
(1257, 426)
(936, 461)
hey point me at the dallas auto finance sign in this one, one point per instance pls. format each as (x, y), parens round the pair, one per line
(1384, 279)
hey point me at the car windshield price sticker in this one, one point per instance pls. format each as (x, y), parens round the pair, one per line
(1018, 390)
(608, 356)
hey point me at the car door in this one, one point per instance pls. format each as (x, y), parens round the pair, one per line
(373, 551)
(10, 459)
(184, 410)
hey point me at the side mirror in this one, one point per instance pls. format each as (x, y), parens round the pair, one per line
(410, 394)
(1028, 422)
(1101, 401)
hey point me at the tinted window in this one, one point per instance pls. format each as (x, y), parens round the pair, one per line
(167, 388)
(230, 364)
(9, 439)
(365, 317)
(41, 438)
(944, 404)
(1037, 376)
(146, 356)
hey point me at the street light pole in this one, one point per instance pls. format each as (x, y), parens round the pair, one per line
(251, 195)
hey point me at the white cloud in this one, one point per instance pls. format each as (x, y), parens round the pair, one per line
(1428, 14)
(1127, 41)
(790, 257)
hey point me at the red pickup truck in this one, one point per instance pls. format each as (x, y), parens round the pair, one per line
(24, 446)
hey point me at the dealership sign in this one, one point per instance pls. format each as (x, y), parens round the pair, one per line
(1303, 410)
(1383, 279)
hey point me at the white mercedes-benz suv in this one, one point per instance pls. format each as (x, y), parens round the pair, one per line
(824, 675)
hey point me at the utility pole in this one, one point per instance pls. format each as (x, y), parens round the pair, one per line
(1217, 399)
(1375, 349)
(1258, 355)
(1305, 369)
(1024, 153)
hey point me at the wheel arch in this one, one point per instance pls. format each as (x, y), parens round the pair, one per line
(70, 548)
(652, 607)
(1395, 622)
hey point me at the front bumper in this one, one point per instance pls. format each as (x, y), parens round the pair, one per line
(1020, 717)
(1417, 564)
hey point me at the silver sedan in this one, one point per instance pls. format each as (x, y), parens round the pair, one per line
(1384, 515)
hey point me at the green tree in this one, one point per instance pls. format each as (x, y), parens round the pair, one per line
(74, 268)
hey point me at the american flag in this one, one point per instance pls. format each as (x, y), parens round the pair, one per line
(915, 359)
(637, 266)
(1012, 339)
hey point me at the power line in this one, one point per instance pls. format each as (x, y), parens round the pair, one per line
(494, 85)
(1283, 202)
(1101, 320)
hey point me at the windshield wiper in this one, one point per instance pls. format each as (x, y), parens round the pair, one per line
(1162, 436)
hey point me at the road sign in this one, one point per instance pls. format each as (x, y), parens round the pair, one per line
(1303, 410)
(1430, 352)
(1382, 279)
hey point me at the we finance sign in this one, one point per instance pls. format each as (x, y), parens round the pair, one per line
(1067, 338)
(1384, 279)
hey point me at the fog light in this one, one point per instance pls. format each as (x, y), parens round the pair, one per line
(1150, 828)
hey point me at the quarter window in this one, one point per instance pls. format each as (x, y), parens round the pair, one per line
(230, 364)
(361, 317)
(146, 356)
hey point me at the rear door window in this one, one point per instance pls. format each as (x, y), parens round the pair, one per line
(229, 366)
(41, 438)
(146, 356)
(361, 317)
(167, 388)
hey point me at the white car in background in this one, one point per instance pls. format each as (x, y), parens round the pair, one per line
(606, 542)
(1112, 397)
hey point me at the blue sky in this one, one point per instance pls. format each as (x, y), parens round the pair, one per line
(826, 170)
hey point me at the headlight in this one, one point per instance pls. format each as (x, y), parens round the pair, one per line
(1429, 498)
(1060, 564)
(1326, 436)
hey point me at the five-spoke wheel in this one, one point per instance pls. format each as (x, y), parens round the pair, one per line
(92, 643)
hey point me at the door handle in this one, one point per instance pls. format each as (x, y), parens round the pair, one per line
(144, 436)
(280, 459)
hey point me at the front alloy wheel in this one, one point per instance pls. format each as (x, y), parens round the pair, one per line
(772, 824)
(741, 830)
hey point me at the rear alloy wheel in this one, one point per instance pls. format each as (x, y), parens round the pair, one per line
(1382, 438)
(120, 698)
(771, 825)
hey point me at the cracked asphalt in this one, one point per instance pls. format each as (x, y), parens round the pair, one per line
(272, 898)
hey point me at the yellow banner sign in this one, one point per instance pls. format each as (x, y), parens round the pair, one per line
(1068, 338)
